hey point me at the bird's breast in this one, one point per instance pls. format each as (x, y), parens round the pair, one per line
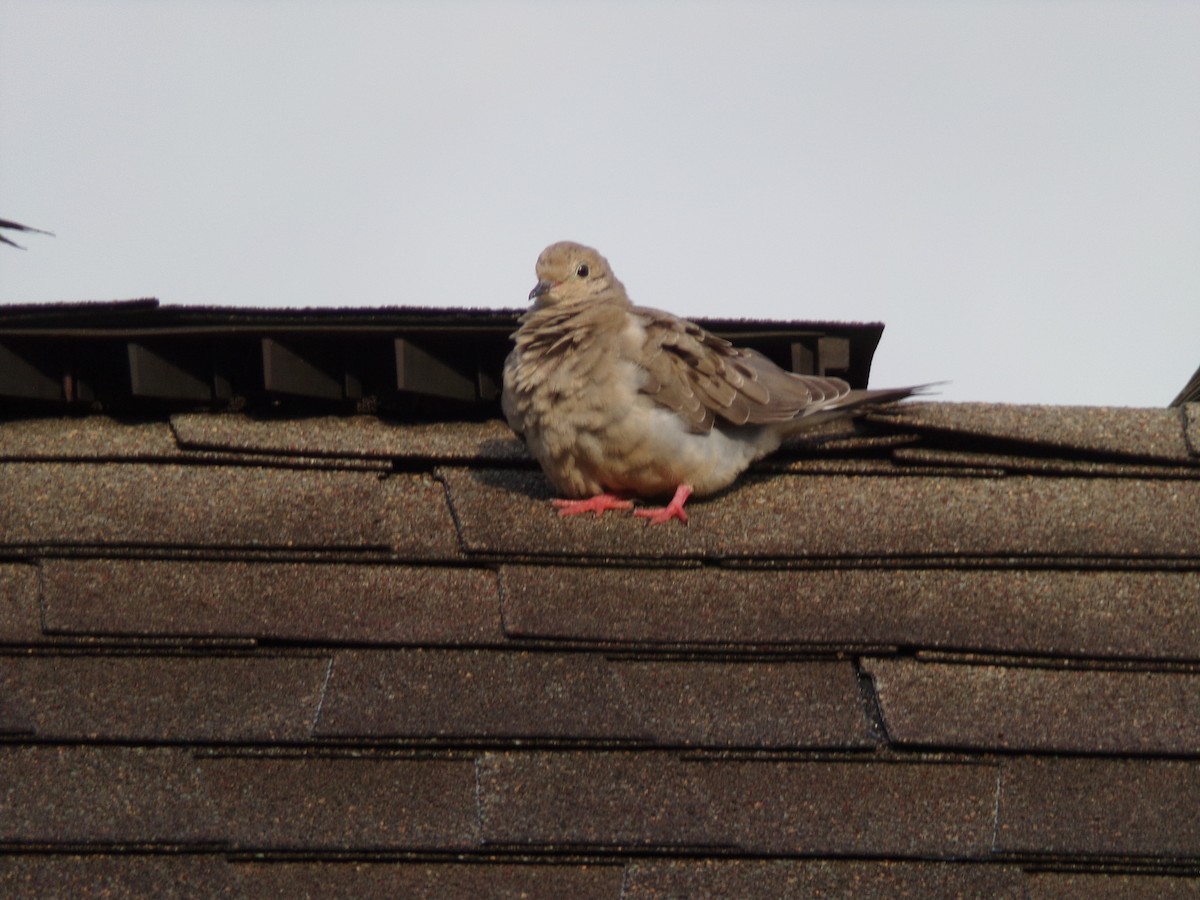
(578, 401)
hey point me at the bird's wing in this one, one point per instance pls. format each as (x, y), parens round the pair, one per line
(704, 378)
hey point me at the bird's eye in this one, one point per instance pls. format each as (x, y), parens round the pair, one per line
(582, 271)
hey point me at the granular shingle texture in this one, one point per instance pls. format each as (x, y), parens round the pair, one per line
(952, 650)
(1027, 708)
(367, 603)
(434, 694)
(786, 807)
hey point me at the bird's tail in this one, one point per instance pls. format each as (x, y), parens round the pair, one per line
(857, 402)
(881, 396)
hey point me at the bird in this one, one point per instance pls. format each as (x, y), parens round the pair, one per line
(618, 402)
(17, 226)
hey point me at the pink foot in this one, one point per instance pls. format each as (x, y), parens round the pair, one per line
(673, 510)
(599, 505)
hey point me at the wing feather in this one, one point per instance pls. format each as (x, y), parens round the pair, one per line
(705, 378)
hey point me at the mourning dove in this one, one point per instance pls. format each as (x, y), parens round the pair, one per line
(617, 401)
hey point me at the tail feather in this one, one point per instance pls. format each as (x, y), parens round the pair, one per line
(879, 396)
(856, 402)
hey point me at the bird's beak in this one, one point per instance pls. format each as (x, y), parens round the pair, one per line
(540, 288)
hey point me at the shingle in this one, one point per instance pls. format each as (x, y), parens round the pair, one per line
(454, 694)
(194, 506)
(473, 694)
(747, 704)
(103, 439)
(231, 507)
(1009, 463)
(836, 465)
(73, 795)
(1089, 613)
(385, 880)
(1018, 516)
(20, 620)
(1148, 433)
(1117, 885)
(849, 517)
(1099, 807)
(349, 436)
(862, 880)
(164, 698)
(757, 807)
(1011, 708)
(598, 800)
(363, 803)
(92, 437)
(15, 715)
(289, 601)
(417, 518)
(119, 875)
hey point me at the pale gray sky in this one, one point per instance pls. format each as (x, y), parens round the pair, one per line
(1013, 187)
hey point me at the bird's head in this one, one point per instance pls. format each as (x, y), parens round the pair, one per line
(568, 273)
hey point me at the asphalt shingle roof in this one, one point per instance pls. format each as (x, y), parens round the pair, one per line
(949, 650)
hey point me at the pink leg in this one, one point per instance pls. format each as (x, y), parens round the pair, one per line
(599, 504)
(673, 510)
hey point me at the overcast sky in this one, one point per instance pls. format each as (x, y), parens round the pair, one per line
(1012, 187)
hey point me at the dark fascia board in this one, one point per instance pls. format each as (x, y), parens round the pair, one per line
(121, 353)
(123, 316)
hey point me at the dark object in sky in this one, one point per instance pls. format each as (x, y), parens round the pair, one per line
(17, 226)
(1190, 392)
